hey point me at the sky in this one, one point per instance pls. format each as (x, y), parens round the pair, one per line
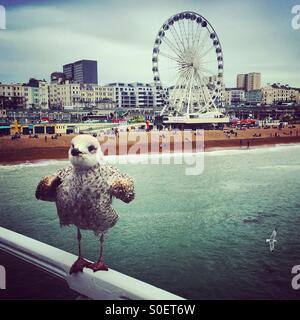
(41, 36)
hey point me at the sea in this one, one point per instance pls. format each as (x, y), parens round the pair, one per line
(200, 236)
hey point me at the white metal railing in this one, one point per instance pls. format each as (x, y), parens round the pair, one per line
(111, 284)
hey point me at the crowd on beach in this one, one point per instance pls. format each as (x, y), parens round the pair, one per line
(44, 146)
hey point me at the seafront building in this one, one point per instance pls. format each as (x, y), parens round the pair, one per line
(234, 96)
(136, 95)
(97, 97)
(12, 96)
(277, 93)
(32, 95)
(253, 97)
(62, 95)
(68, 98)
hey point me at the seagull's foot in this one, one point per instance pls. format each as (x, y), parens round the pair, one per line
(99, 265)
(79, 264)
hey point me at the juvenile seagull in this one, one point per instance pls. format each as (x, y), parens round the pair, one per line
(83, 193)
(272, 240)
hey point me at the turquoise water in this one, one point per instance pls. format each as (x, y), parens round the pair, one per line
(185, 234)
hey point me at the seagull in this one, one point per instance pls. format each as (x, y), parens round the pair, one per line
(272, 240)
(83, 193)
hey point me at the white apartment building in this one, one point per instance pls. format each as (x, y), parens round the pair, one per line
(277, 93)
(11, 90)
(93, 95)
(145, 94)
(43, 95)
(32, 97)
(296, 96)
(11, 96)
(36, 96)
(234, 96)
(81, 96)
(137, 95)
(62, 95)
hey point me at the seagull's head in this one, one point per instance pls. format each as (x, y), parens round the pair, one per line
(85, 152)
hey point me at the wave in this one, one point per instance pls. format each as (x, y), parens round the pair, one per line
(122, 159)
(252, 150)
(29, 164)
(281, 167)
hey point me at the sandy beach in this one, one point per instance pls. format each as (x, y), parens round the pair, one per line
(30, 149)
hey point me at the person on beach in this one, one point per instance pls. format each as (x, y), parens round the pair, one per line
(248, 144)
(46, 138)
(241, 143)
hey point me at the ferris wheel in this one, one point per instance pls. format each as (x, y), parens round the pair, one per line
(187, 65)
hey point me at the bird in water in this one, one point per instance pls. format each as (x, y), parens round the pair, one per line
(272, 240)
(83, 193)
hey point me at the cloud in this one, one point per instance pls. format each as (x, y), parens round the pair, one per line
(40, 38)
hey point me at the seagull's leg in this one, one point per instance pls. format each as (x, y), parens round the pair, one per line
(100, 265)
(80, 263)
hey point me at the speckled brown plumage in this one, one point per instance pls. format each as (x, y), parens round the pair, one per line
(84, 197)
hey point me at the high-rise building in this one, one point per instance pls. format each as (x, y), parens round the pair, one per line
(83, 71)
(241, 81)
(253, 81)
(248, 82)
(68, 70)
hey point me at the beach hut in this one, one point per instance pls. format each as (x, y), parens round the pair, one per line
(4, 130)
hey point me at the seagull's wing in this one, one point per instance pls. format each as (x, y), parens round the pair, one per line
(121, 185)
(273, 235)
(46, 189)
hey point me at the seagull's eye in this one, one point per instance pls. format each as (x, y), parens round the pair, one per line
(91, 148)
